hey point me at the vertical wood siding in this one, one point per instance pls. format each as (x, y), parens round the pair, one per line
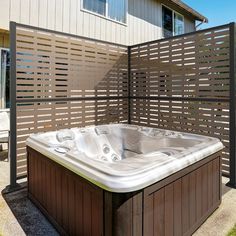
(176, 205)
(189, 25)
(143, 19)
(181, 206)
(74, 205)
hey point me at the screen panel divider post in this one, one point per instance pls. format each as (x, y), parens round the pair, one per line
(129, 86)
(13, 163)
(232, 172)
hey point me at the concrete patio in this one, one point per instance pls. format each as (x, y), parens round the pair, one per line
(18, 216)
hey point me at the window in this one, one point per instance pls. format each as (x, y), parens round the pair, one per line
(167, 22)
(4, 78)
(112, 9)
(172, 22)
(179, 24)
(97, 6)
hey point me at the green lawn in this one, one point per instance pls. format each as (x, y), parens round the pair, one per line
(232, 232)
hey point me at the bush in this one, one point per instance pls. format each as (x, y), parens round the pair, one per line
(232, 232)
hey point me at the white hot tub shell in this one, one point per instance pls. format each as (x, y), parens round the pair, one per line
(123, 158)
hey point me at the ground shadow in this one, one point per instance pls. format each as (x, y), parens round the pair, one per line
(4, 155)
(225, 188)
(31, 220)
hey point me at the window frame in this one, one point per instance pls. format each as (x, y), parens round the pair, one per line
(173, 20)
(106, 11)
(5, 97)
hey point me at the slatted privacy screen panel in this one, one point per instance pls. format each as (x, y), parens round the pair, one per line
(65, 81)
(52, 65)
(206, 118)
(49, 116)
(182, 83)
(195, 66)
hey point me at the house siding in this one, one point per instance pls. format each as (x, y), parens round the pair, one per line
(144, 19)
(189, 25)
(4, 40)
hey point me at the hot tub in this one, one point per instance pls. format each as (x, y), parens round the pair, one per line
(120, 163)
(123, 158)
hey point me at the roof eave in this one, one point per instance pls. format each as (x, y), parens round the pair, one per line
(196, 15)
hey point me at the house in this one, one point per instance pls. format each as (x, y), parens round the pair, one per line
(120, 21)
(125, 22)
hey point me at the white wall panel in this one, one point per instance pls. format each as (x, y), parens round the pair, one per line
(25, 11)
(4, 14)
(43, 13)
(85, 29)
(34, 12)
(15, 8)
(66, 15)
(97, 30)
(92, 25)
(73, 16)
(81, 18)
(59, 15)
(51, 13)
(103, 29)
(189, 25)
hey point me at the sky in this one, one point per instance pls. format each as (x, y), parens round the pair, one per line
(218, 12)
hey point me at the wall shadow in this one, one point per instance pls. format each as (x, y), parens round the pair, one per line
(4, 155)
(147, 11)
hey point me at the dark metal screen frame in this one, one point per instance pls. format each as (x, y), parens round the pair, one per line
(13, 177)
(232, 166)
(232, 98)
(232, 93)
(14, 100)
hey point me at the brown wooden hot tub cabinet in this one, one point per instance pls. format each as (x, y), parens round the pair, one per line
(177, 205)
